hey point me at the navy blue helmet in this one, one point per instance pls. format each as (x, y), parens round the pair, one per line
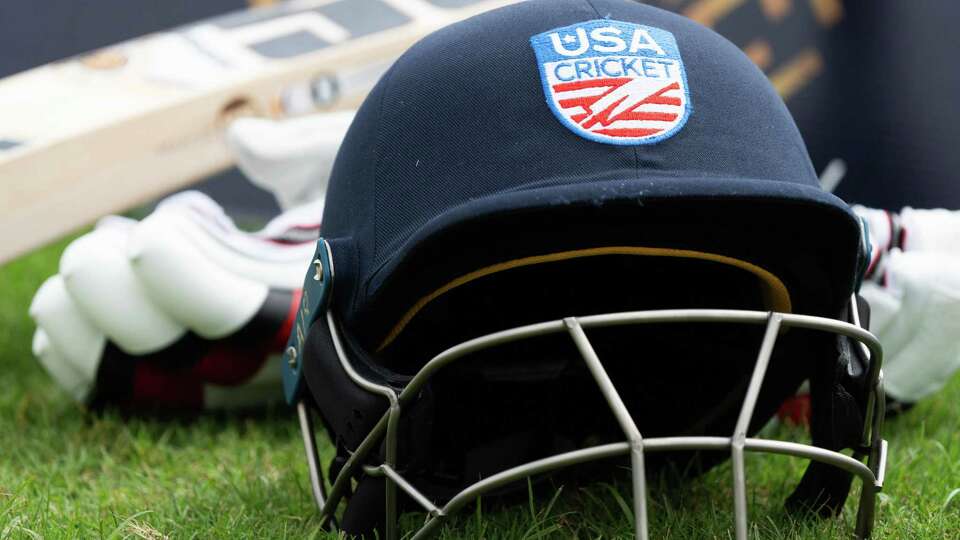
(559, 232)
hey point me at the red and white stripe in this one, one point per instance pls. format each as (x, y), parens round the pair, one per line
(622, 107)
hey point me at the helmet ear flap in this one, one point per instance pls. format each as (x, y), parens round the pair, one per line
(822, 491)
(838, 396)
(364, 516)
(835, 415)
(348, 411)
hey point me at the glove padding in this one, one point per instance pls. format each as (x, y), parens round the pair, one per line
(179, 311)
(914, 294)
(183, 310)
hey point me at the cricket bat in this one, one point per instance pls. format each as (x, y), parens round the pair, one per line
(106, 131)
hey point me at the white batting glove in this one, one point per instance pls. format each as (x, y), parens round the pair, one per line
(914, 294)
(181, 310)
(290, 158)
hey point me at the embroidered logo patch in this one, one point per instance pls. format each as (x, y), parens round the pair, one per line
(614, 82)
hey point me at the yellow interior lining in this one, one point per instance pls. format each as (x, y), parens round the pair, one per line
(775, 294)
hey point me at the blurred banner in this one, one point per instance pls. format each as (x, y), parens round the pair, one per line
(872, 83)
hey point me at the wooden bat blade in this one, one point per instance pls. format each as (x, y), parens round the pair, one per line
(103, 132)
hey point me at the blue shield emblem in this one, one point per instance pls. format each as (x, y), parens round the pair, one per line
(614, 82)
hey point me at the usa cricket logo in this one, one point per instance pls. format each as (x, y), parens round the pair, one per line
(614, 82)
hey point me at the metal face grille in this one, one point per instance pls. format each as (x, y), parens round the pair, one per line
(634, 445)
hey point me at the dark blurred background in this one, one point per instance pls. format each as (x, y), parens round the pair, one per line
(34, 32)
(881, 94)
(873, 83)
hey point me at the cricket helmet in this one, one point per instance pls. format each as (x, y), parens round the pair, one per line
(560, 232)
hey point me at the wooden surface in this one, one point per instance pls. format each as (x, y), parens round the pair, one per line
(99, 134)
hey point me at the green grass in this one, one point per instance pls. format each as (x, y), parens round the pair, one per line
(68, 474)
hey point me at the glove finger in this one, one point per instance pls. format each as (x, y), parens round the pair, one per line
(119, 223)
(67, 329)
(935, 229)
(197, 203)
(71, 379)
(170, 257)
(98, 277)
(273, 261)
(297, 225)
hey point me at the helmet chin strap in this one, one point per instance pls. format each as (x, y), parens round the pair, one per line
(384, 434)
